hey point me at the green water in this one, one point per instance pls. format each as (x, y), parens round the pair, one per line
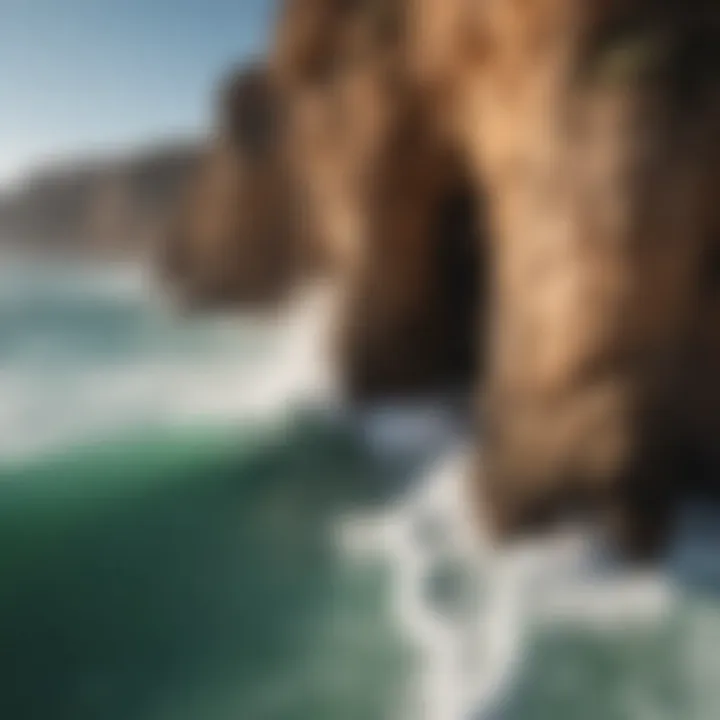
(192, 577)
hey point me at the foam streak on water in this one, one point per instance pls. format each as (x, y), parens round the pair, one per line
(471, 662)
(87, 355)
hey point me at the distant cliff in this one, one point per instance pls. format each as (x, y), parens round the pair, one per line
(109, 207)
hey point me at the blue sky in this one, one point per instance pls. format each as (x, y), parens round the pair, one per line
(78, 76)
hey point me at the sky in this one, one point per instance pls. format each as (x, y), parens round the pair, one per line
(82, 76)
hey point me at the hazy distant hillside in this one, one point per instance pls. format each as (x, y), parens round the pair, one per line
(111, 207)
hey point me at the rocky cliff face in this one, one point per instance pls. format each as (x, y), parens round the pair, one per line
(103, 207)
(585, 133)
(388, 197)
(595, 127)
(238, 236)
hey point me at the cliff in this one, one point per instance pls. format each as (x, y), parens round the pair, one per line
(109, 207)
(388, 197)
(237, 235)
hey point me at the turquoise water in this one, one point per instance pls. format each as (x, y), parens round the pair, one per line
(170, 549)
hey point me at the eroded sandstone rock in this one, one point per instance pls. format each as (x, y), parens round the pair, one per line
(238, 237)
(387, 194)
(594, 127)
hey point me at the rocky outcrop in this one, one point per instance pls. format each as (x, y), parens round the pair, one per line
(388, 198)
(105, 207)
(237, 237)
(594, 126)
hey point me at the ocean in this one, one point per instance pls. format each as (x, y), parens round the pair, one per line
(193, 528)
